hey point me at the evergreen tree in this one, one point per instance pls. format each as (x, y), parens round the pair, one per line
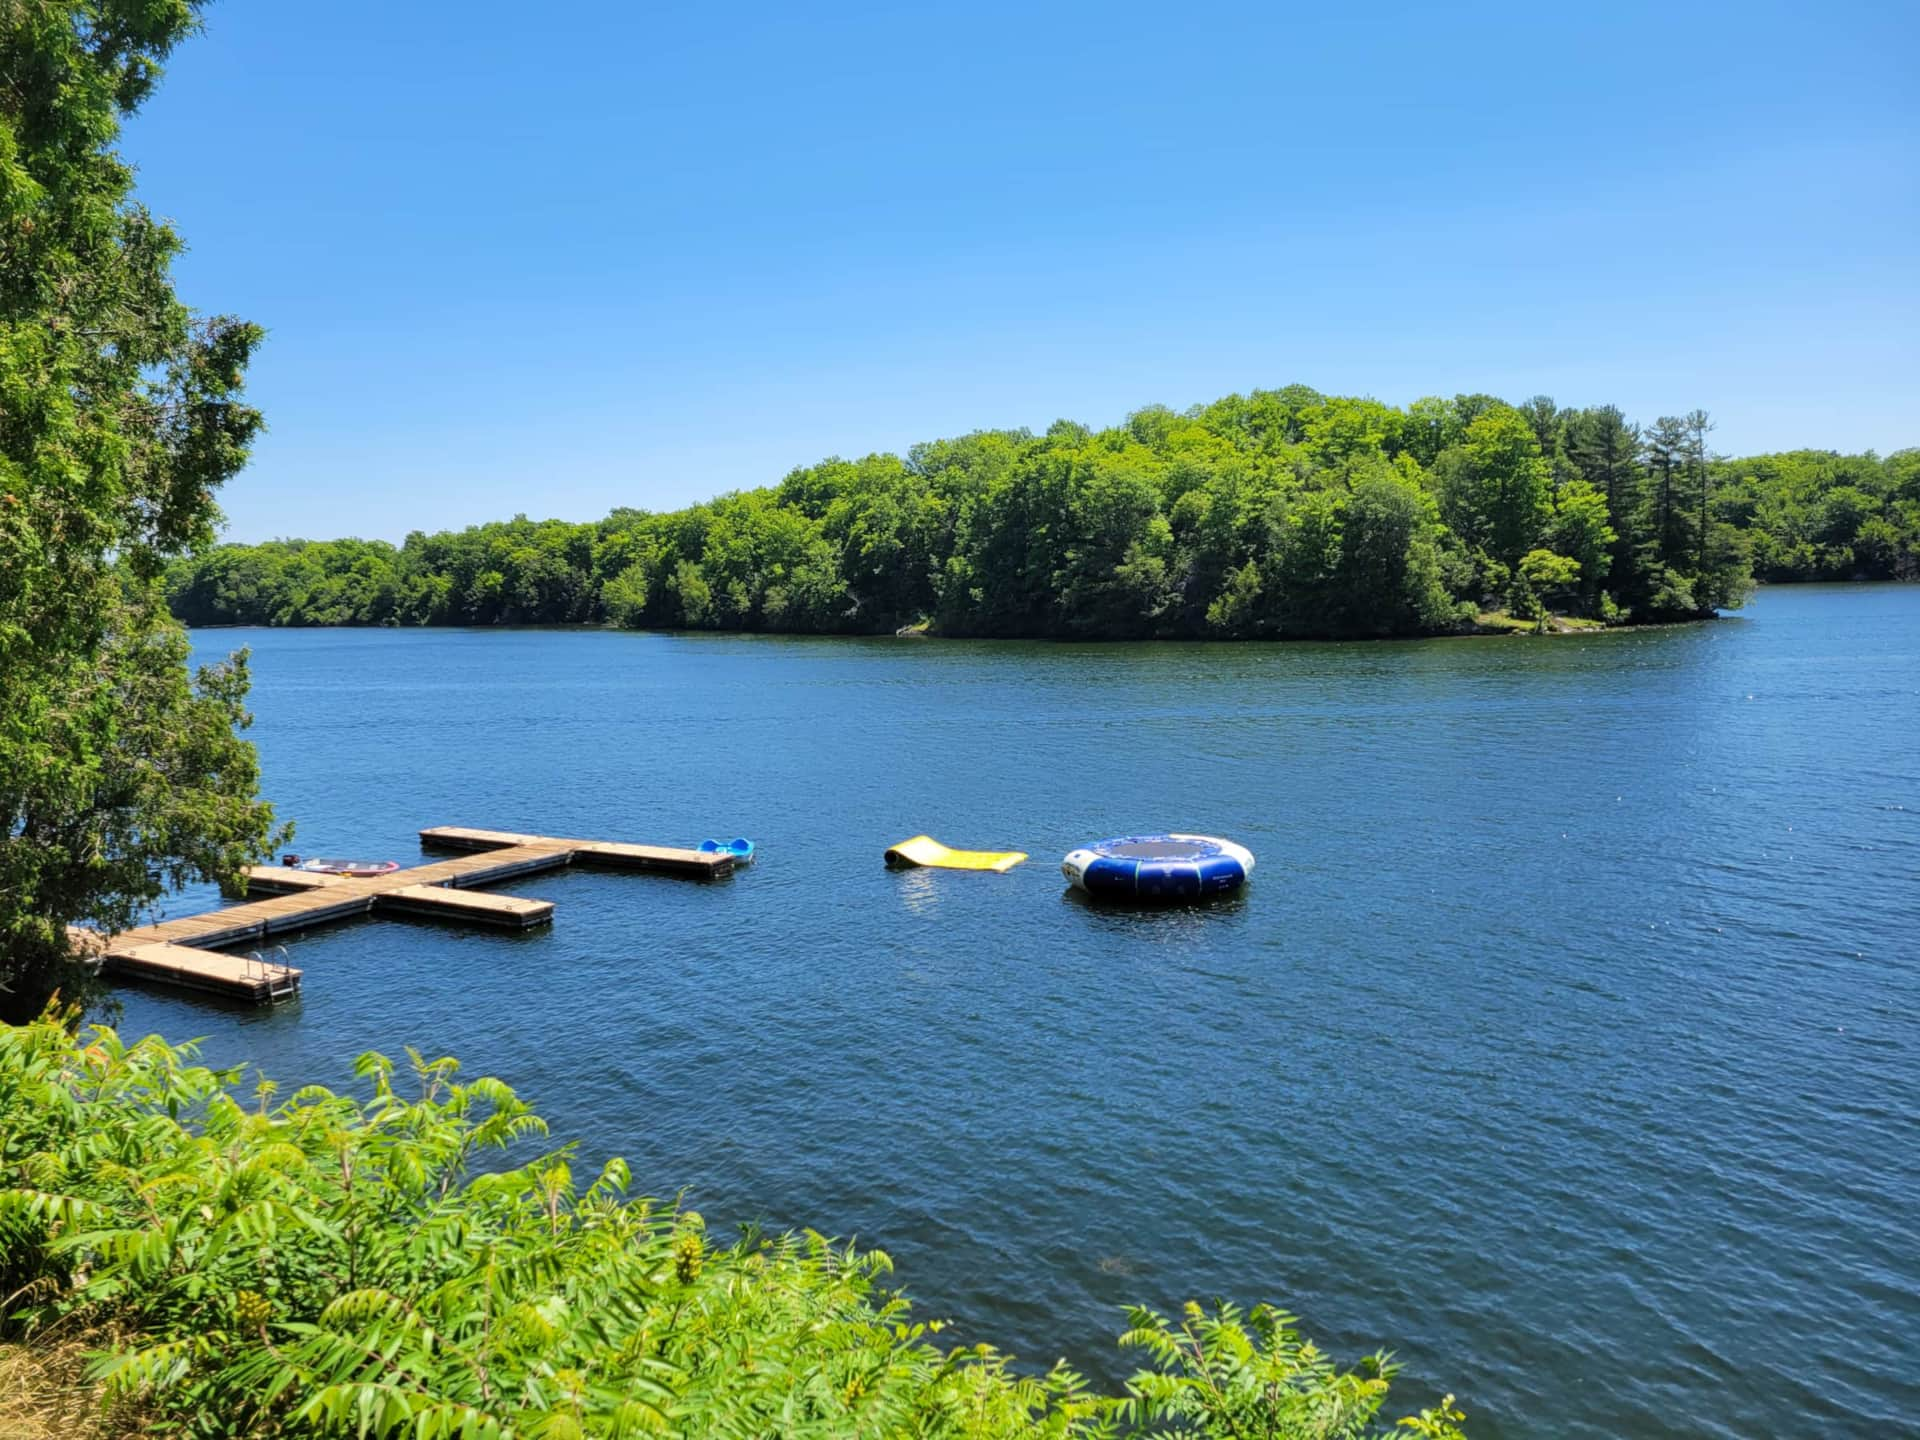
(1549, 424)
(1667, 450)
(1701, 472)
(1605, 448)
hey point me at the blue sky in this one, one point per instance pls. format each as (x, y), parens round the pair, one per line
(557, 260)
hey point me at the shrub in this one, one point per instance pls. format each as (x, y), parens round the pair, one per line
(333, 1265)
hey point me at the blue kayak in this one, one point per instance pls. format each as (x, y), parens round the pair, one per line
(741, 850)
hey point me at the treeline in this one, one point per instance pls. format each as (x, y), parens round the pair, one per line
(1280, 513)
(370, 1266)
(1815, 515)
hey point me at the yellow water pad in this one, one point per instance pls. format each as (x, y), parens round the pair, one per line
(925, 850)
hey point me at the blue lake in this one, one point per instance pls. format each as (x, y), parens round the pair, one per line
(1564, 1042)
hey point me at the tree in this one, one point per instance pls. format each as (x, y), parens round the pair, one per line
(625, 595)
(1495, 486)
(1305, 592)
(1667, 447)
(1581, 532)
(1701, 469)
(1605, 449)
(1432, 425)
(120, 415)
(1389, 568)
(1726, 579)
(1543, 577)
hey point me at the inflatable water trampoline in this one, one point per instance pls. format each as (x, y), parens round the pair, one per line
(1171, 869)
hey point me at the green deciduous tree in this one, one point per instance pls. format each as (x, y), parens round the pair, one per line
(120, 415)
(1581, 531)
(1547, 579)
(1496, 487)
(1389, 569)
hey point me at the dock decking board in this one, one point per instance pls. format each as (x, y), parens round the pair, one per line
(235, 975)
(185, 951)
(443, 902)
(604, 852)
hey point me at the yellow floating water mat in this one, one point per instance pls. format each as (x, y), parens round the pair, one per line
(925, 850)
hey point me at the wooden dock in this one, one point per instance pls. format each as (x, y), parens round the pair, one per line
(186, 951)
(701, 864)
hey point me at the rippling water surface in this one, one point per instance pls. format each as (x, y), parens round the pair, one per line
(1564, 1043)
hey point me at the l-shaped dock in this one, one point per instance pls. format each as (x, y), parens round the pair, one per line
(187, 951)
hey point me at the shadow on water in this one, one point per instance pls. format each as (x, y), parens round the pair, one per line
(189, 1001)
(1146, 912)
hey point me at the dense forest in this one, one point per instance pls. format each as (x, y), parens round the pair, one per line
(1279, 513)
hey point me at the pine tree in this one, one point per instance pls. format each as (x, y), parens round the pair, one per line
(1549, 424)
(1605, 448)
(1700, 466)
(1667, 449)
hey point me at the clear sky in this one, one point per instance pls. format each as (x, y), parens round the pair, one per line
(555, 259)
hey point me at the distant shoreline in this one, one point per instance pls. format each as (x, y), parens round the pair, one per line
(1556, 625)
(1275, 514)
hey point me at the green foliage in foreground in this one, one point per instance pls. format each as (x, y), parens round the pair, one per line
(339, 1266)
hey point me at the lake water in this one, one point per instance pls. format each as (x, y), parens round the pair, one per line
(1564, 1042)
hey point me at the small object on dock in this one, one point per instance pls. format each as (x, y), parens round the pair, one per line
(741, 849)
(1167, 869)
(927, 851)
(352, 869)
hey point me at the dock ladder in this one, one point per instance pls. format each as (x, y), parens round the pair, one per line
(276, 980)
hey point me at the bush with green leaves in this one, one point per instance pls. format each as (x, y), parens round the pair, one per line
(373, 1266)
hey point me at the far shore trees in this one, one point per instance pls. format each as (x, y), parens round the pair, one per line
(1273, 514)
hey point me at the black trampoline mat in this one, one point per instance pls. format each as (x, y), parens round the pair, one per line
(1157, 850)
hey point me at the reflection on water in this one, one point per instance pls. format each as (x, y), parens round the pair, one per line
(920, 889)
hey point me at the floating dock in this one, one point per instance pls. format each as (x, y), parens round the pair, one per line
(701, 864)
(186, 951)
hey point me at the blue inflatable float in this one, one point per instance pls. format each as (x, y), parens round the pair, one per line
(1165, 868)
